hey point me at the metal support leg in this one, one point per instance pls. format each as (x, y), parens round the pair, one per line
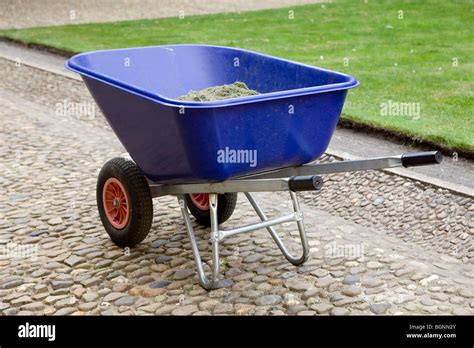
(214, 283)
(214, 237)
(304, 241)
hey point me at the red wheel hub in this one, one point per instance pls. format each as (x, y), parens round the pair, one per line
(116, 203)
(200, 200)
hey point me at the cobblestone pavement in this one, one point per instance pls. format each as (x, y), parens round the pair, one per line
(381, 244)
(23, 14)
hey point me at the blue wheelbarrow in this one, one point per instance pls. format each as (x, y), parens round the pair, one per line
(206, 152)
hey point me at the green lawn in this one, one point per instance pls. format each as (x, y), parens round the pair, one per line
(423, 58)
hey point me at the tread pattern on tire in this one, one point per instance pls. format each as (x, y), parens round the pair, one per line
(140, 201)
(225, 208)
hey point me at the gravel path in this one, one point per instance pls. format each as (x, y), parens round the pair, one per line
(362, 261)
(23, 14)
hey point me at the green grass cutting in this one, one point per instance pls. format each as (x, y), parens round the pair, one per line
(413, 58)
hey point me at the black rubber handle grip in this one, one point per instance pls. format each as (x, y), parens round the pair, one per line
(305, 183)
(414, 159)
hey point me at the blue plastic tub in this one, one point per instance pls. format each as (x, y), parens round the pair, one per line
(290, 123)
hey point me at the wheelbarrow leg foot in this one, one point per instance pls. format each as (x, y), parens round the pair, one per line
(223, 283)
(214, 282)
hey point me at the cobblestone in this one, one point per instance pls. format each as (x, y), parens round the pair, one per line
(405, 252)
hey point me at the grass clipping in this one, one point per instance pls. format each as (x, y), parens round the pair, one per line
(234, 90)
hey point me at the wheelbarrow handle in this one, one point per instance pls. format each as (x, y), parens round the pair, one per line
(415, 159)
(305, 183)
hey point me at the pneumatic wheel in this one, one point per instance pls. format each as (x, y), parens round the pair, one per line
(124, 202)
(198, 204)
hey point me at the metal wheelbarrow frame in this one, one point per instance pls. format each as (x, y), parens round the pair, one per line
(302, 178)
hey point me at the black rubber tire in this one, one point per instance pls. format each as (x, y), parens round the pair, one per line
(225, 207)
(141, 204)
